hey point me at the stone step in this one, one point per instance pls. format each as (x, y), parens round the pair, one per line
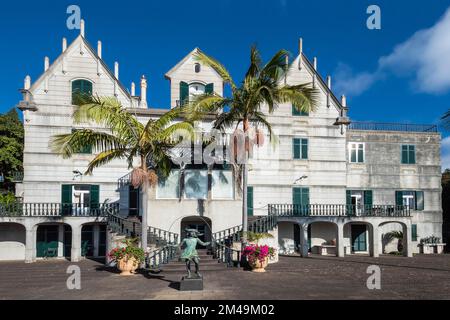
(182, 268)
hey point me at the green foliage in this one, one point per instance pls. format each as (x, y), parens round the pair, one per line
(7, 198)
(11, 143)
(256, 237)
(130, 250)
(127, 138)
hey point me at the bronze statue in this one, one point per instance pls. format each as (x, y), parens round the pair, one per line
(190, 252)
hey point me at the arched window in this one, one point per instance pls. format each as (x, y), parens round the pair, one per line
(81, 87)
(197, 67)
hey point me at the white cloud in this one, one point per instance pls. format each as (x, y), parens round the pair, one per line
(351, 83)
(424, 58)
(445, 153)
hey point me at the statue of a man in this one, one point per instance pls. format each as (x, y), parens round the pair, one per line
(190, 252)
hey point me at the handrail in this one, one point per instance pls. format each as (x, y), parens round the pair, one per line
(380, 126)
(338, 210)
(160, 256)
(48, 209)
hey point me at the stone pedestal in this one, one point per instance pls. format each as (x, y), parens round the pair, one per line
(191, 284)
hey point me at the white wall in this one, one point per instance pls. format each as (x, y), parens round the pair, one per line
(12, 241)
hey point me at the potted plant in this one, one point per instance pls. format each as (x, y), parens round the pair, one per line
(128, 258)
(258, 255)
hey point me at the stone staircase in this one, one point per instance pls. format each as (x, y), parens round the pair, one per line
(207, 263)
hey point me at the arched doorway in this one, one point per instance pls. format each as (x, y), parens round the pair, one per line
(358, 238)
(12, 241)
(201, 224)
(322, 238)
(53, 240)
(393, 237)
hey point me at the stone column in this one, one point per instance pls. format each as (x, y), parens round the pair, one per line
(407, 241)
(76, 243)
(96, 235)
(340, 240)
(304, 240)
(60, 240)
(375, 241)
(30, 244)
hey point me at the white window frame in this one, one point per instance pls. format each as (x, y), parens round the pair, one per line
(350, 144)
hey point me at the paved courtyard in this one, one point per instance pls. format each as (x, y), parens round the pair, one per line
(421, 277)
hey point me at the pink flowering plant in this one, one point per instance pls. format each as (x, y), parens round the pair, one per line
(255, 252)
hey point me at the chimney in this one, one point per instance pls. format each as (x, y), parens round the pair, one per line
(46, 63)
(344, 101)
(64, 44)
(27, 83)
(143, 92)
(133, 89)
(99, 49)
(82, 28)
(116, 70)
(315, 63)
(300, 52)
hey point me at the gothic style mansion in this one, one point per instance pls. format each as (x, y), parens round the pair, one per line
(326, 187)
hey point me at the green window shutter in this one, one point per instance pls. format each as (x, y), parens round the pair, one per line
(296, 147)
(305, 196)
(368, 198)
(249, 200)
(348, 197)
(412, 155)
(297, 196)
(419, 200)
(209, 88)
(184, 92)
(66, 193)
(404, 154)
(66, 199)
(304, 148)
(414, 232)
(95, 194)
(296, 112)
(398, 198)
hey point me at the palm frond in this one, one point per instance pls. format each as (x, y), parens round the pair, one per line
(303, 97)
(105, 157)
(68, 144)
(216, 65)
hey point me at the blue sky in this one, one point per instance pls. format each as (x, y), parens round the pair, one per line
(400, 73)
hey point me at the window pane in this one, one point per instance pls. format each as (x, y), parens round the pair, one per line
(296, 146)
(360, 153)
(169, 187)
(304, 149)
(222, 184)
(196, 184)
(353, 155)
(412, 156)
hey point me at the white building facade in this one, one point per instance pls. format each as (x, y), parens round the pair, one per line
(335, 189)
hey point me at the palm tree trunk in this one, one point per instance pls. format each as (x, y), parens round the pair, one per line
(145, 197)
(244, 186)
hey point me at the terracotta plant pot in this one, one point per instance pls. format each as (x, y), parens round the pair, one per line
(127, 266)
(258, 266)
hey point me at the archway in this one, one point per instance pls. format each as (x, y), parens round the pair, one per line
(393, 237)
(359, 238)
(288, 237)
(53, 240)
(201, 224)
(12, 241)
(322, 237)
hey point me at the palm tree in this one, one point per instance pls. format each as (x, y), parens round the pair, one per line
(263, 85)
(388, 237)
(128, 139)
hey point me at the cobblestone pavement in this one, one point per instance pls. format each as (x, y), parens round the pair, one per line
(421, 277)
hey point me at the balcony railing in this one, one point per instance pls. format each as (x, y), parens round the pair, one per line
(338, 210)
(405, 127)
(57, 210)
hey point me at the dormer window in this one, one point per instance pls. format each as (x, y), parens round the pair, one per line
(189, 91)
(81, 87)
(196, 89)
(197, 67)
